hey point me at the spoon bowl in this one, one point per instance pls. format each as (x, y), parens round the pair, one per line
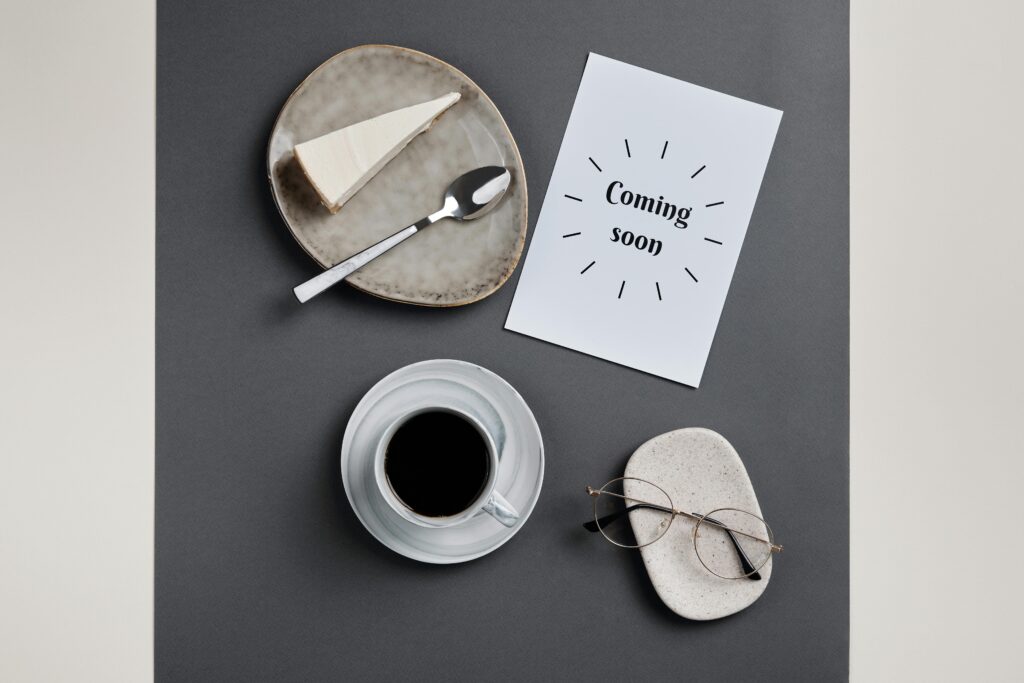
(473, 194)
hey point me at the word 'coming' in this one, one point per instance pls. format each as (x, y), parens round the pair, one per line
(659, 207)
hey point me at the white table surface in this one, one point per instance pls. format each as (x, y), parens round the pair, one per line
(935, 351)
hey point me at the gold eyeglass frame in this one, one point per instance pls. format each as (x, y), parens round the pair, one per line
(674, 512)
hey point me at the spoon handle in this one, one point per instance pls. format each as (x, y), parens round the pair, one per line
(332, 276)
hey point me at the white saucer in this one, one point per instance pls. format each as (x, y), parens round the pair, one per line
(483, 395)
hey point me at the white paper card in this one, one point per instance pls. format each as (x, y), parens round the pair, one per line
(643, 220)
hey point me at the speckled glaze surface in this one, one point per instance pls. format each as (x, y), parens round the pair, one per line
(450, 264)
(701, 471)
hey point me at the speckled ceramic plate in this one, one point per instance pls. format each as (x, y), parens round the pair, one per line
(701, 472)
(450, 264)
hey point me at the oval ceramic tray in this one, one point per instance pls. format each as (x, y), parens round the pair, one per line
(700, 471)
(450, 264)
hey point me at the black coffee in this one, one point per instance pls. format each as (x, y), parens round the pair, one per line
(437, 463)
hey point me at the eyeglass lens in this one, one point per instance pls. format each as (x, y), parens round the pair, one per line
(723, 534)
(632, 512)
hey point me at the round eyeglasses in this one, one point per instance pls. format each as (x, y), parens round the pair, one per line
(730, 543)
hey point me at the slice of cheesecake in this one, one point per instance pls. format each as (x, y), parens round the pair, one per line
(339, 163)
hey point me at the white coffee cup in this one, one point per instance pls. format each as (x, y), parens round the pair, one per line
(488, 501)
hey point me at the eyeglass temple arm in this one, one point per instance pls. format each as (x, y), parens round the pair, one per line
(596, 524)
(748, 567)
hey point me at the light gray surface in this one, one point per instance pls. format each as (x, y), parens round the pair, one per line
(698, 469)
(262, 571)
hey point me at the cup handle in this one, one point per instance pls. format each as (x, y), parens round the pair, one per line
(499, 508)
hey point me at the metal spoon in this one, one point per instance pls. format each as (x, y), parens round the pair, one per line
(470, 196)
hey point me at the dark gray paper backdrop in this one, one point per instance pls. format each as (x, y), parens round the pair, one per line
(262, 570)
